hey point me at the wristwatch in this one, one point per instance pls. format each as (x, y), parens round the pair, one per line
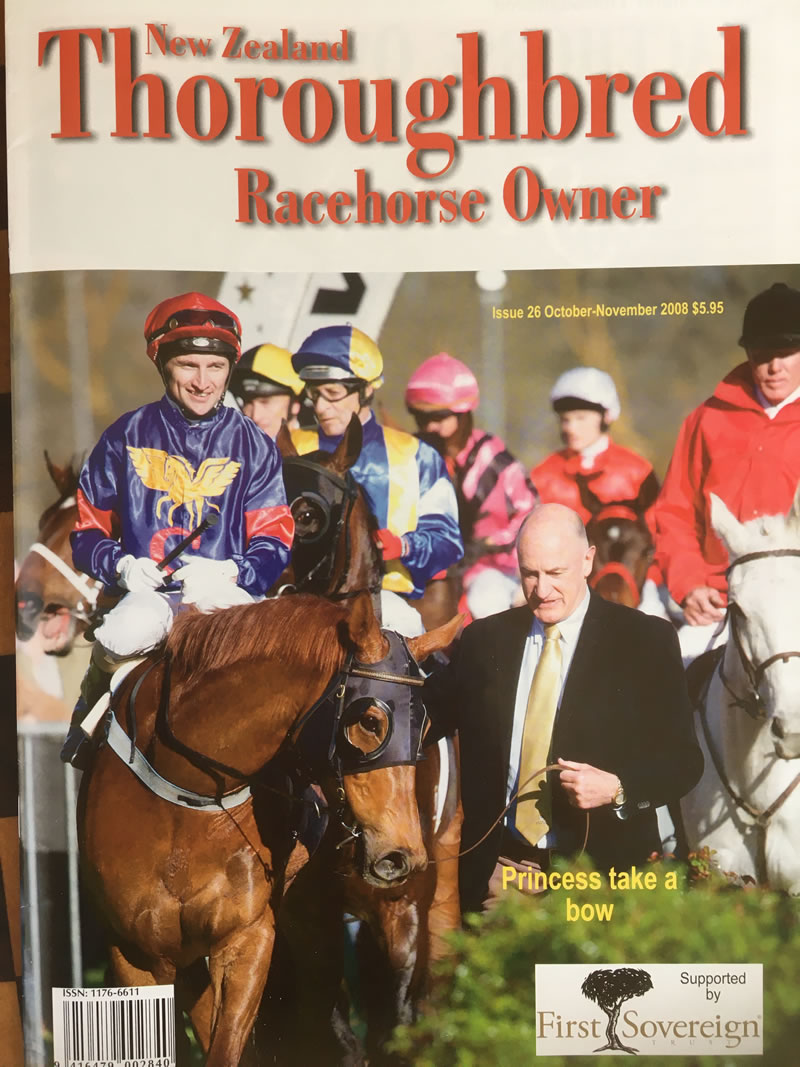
(618, 801)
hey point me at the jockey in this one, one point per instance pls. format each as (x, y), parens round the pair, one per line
(267, 388)
(586, 402)
(150, 480)
(743, 444)
(493, 490)
(404, 480)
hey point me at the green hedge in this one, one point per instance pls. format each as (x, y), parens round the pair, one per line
(482, 1009)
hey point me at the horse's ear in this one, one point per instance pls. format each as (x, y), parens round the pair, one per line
(793, 516)
(369, 644)
(435, 640)
(349, 448)
(727, 527)
(283, 439)
(64, 479)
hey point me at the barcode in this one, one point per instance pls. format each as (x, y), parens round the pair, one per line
(133, 1027)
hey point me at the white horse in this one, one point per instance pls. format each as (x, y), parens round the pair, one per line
(747, 804)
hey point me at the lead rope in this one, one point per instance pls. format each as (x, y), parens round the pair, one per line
(530, 778)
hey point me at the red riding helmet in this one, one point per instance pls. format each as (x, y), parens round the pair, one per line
(442, 383)
(192, 322)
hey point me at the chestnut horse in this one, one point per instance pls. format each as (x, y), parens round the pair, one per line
(624, 546)
(403, 927)
(49, 591)
(188, 883)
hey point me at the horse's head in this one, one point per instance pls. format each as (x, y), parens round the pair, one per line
(762, 658)
(333, 552)
(50, 595)
(379, 741)
(624, 546)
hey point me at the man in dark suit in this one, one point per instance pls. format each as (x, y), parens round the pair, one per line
(620, 728)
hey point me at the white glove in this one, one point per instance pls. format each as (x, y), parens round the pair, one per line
(139, 574)
(211, 584)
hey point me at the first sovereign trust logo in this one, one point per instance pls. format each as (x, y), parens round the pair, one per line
(609, 989)
(685, 1009)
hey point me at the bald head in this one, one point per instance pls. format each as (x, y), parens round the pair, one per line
(555, 559)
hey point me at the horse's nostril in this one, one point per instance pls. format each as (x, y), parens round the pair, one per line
(778, 729)
(392, 867)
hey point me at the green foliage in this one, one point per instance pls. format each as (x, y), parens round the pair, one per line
(482, 1009)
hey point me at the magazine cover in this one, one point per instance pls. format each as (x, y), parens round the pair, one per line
(406, 448)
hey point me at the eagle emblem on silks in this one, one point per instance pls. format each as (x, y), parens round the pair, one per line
(180, 483)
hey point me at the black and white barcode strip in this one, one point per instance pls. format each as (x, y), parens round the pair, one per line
(115, 1027)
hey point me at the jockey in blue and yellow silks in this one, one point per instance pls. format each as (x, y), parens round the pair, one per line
(404, 480)
(153, 477)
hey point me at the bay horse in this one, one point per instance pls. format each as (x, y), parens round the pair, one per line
(624, 546)
(403, 928)
(746, 807)
(188, 881)
(49, 591)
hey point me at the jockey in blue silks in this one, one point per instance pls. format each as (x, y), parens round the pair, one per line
(153, 477)
(404, 480)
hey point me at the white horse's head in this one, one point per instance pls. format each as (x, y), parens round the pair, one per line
(764, 593)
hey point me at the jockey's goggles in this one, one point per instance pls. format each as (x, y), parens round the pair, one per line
(331, 392)
(422, 418)
(198, 317)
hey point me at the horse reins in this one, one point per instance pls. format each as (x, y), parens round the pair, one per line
(752, 705)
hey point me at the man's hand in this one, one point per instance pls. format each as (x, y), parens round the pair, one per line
(210, 584)
(389, 543)
(138, 575)
(703, 606)
(586, 786)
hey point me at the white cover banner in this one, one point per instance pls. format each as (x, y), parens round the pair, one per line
(535, 136)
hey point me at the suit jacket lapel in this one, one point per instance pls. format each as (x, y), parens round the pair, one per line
(582, 667)
(510, 659)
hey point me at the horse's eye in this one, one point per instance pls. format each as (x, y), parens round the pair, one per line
(369, 731)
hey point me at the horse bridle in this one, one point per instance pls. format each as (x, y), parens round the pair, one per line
(335, 496)
(751, 702)
(89, 592)
(317, 744)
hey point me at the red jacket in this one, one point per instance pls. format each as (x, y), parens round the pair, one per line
(615, 475)
(730, 447)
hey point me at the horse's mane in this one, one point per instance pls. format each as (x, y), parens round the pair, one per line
(305, 631)
(775, 530)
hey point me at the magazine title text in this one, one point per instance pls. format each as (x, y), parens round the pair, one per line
(437, 115)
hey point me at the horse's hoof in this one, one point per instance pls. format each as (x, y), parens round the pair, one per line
(77, 749)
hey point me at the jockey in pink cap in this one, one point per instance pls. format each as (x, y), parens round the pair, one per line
(493, 490)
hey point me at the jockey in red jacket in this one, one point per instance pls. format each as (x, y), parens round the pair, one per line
(153, 476)
(494, 492)
(586, 402)
(743, 444)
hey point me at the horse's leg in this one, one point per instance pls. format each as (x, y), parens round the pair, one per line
(238, 967)
(195, 994)
(123, 971)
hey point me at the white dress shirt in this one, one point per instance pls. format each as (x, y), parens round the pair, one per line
(569, 630)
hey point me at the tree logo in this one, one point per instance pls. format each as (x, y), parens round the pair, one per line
(609, 989)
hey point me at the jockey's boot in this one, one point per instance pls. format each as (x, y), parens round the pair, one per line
(78, 747)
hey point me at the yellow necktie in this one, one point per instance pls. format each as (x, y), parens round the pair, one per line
(533, 804)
